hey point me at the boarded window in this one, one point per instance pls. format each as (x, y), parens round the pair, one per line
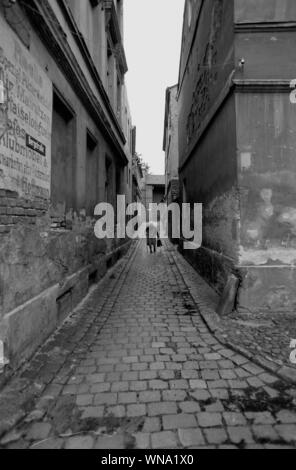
(92, 174)
(63, 154)
(109, 183)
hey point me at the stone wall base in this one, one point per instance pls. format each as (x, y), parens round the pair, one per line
(29, 325)
(212, 266)
(268, 288)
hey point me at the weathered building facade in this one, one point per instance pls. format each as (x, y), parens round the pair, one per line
(237, 141)
(65, 146)
(171, 145)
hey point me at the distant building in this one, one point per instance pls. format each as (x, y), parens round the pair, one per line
(137, 177)
(171, 146)
(153, 189)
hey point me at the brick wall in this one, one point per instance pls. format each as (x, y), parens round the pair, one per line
(15, 210)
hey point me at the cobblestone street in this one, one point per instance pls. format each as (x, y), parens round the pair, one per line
(135, 366)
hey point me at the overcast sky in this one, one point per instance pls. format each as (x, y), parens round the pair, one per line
(153, 31)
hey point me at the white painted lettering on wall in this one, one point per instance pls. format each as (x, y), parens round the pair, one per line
(25, 120)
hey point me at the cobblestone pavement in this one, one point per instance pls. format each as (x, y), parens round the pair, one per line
(267, 334)
(136, 367)
(263, 337)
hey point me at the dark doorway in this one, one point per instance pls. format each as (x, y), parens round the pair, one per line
(92, 174)
(63, 154)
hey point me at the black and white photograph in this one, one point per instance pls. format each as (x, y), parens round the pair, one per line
(148, 229)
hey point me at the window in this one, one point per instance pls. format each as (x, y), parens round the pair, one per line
(92, 174)
(63, 154)
(109, 193)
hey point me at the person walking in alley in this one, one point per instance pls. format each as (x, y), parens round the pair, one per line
(152, 237)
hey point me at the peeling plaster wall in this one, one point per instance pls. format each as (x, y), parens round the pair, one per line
(266, 133)
(221, 223)
(44, 274)
(33, 259)
(267, 178)
(266, 153)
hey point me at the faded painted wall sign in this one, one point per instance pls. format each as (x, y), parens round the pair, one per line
(25, 120)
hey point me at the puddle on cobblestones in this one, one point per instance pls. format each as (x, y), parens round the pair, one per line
(64, 414)
(172, 345)
(253, 324)
(65, 419)
(191, 310)
(259, 401)
(110, 426)
(178, 375)
(187, 303)
(204, 404)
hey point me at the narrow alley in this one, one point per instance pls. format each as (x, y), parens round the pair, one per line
(135, 367)
(147, 227)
